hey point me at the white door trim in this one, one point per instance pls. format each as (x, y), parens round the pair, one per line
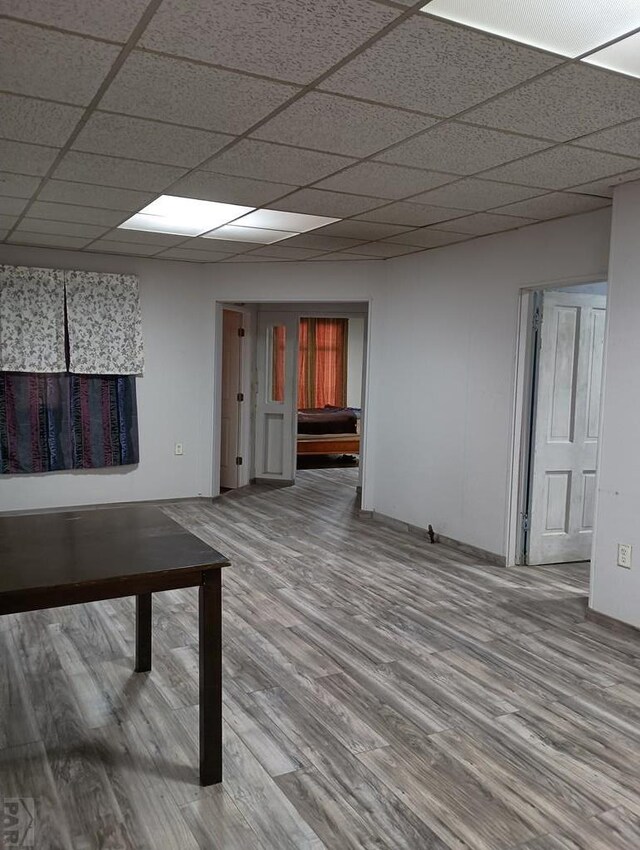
(522, 412)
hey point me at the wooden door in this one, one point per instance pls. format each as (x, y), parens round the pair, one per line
(230, 417)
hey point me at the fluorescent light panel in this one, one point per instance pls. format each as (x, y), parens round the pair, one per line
(279, 220)
(568, 27)
(623, 56)
(259, 235)
(183, 216)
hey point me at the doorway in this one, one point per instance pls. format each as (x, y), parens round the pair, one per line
(268, 358)
(560, 424)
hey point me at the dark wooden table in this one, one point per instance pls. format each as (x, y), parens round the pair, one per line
(48, 560)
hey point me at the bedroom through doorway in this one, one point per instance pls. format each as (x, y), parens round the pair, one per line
(301, 381)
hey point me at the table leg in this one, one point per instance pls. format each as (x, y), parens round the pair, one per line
(143, 632)
(210, 626)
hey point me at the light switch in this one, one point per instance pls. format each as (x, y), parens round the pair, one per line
(178, 449)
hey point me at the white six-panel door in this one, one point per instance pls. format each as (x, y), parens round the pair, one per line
(276, 402)
(567, 419)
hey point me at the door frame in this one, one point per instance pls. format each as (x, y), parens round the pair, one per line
(246, 383)
(304, 307)
(523, 418)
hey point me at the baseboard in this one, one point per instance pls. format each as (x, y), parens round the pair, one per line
(611, 623)
(106, 505)
(442, 540)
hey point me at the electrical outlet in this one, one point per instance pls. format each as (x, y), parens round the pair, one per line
(178, 449)
(624, 555)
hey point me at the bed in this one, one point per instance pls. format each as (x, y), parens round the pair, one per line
(328, 431)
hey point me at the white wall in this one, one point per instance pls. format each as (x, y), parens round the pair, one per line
(355, 355)
(442, 399)
(174, 396)
(616, 591)
(440, 360)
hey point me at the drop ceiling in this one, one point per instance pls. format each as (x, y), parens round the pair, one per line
(416, 126)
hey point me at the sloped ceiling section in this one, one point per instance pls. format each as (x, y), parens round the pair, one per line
(414, 130)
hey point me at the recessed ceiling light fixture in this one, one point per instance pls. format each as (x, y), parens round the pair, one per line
(278, 220)
(260, 235)
(183, 216)
(210, 219)
(623, 56)
(568, 27)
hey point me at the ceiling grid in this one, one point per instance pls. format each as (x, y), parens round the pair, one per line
(415, 129)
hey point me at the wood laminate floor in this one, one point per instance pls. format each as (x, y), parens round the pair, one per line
(380, 692)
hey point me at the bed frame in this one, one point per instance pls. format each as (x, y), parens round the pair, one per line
(328, 444)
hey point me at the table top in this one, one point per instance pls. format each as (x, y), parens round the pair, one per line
(133, 545)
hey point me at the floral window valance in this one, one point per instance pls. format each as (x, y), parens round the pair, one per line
(103, 325)
(32, 331)
(103, 317)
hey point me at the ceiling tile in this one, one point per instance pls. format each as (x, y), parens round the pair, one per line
(362, 230)
(553, 205)
(106, 246)
(437, 67)
(143, 237)
(113, 20)
(12, 206)
(17, 185)
(339, 125)
(474, 194)
(229, 190)
(606, 186)
(172, 90)
(27, 119)
(291, 39)
(412, 214)
(108, 171)
(150, 141)
(7, 221)
(70, 212)
(192, 256)
(321, 202)
(322, 243)
(427, 237)
(568, 102)
(61, 228)
(251, 258)
(481, 224)
(284, 252)
(85, 194)
(26, 159)
(461, 149)
(384, 181)
(267, 161)
(624, 139)
(48, 64)
(558, 168)
(341, 257)
(53, 240)
(382, 249)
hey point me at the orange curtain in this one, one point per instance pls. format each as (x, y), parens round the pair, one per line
(279, 342)
(322, 363)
